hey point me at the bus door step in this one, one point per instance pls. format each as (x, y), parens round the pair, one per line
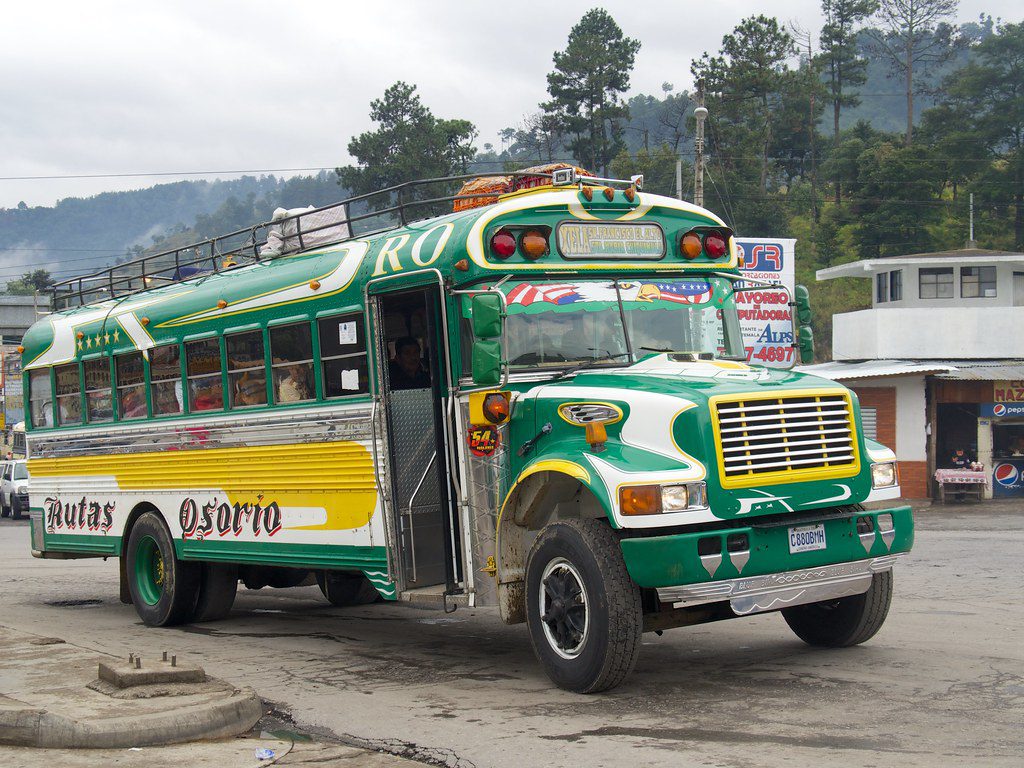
(433, 595)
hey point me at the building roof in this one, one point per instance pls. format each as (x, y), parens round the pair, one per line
(869, 267)
(973, 370)
(866, 369)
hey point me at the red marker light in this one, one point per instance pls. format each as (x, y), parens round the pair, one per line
(503, 244)
(715, 245)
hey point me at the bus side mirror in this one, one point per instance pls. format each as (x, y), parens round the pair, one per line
(806, 345)
(805, 338)
(487, 314)
(803, 304)
(486, 310)
(486, 362)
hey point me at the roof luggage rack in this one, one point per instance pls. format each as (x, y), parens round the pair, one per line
(376, 212)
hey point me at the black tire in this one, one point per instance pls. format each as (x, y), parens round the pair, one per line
(15, 509)
(346, 589)
(163, 588)
(844, 622)
(582, 554)
(217, 587)
(5, 511)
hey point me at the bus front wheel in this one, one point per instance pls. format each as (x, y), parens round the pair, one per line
(583, 610)
(846, 621)
(163, 588)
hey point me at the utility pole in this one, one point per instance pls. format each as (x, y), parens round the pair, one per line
(679, 178)
(701, 114)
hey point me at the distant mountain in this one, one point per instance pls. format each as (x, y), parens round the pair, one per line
(82, 234)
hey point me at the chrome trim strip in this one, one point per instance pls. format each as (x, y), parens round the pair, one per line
(754, 594)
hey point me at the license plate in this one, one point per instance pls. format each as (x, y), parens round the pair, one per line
(805, 538)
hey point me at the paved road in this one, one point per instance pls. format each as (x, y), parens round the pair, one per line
(940, 685)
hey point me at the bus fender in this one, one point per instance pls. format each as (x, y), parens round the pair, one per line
(545, 491)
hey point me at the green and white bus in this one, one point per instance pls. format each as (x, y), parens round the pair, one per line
(538, 400)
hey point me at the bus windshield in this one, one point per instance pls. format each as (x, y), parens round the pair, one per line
(552, 323)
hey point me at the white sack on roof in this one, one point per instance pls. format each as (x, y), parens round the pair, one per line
(319, 228)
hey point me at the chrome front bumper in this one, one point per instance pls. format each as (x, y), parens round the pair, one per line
(756, 594)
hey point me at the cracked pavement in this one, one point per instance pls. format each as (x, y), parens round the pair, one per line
(942, 683)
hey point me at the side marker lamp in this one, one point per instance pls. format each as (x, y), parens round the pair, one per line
(597, 436)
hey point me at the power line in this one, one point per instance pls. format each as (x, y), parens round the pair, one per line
(162, 173)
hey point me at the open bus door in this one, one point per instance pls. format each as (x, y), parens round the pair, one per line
(411, 385)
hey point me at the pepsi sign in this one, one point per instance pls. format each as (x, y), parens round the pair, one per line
(1001, 410)
(1008, 478)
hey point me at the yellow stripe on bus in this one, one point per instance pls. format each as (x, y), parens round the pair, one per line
(335, 476)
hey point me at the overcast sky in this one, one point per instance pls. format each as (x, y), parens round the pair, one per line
(104, 87)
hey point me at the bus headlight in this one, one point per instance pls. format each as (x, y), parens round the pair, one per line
(678, 498)
(884, 475)
(656, 499)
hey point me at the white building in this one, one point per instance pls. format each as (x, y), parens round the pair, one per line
(938, 361)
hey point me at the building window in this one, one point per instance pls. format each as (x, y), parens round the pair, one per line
(205, 389)
(69, 394)
(291, 348)
(99, 404)
(869, 422)
(881, 287)
(936, 283)
(40, 398)
(247, 373)
(343, 356)
(165, 379)
(978, 282)
(131, 386)
(896, 285)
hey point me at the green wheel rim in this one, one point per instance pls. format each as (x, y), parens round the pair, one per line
(149, 570)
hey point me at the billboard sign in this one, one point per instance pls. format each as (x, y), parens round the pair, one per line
(765, 316)
(1001, 410)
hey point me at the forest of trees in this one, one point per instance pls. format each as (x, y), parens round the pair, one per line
(865, 138)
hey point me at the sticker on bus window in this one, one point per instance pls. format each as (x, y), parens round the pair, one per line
(350, 379)
(347, 333)
(483, 441)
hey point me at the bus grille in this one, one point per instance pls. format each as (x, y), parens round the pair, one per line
(764, 436)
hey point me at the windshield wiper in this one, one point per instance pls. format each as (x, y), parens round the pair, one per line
(591, 363)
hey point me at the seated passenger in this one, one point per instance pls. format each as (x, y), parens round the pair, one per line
(295, 386)
(405, 370)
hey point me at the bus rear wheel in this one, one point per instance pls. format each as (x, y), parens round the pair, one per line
(346, 589)
(844, 622)
(583, 610)
(163, 588)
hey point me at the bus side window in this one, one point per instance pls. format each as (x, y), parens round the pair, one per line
(291, 348)
(131, 386)
(98, 402)
(247, 377)
(202, 362)
(343, 356)
(40, 398)
(165, 379)
(69, 394)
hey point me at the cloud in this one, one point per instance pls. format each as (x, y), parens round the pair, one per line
(118, 87)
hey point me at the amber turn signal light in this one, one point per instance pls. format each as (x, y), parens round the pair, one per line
(640, 500)
(691, 245)
(597, 435)
(533, 244)
(496, 407)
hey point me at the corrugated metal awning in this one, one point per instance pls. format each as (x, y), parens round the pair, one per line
(866, 369)
(959, 370)
(986, 370)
